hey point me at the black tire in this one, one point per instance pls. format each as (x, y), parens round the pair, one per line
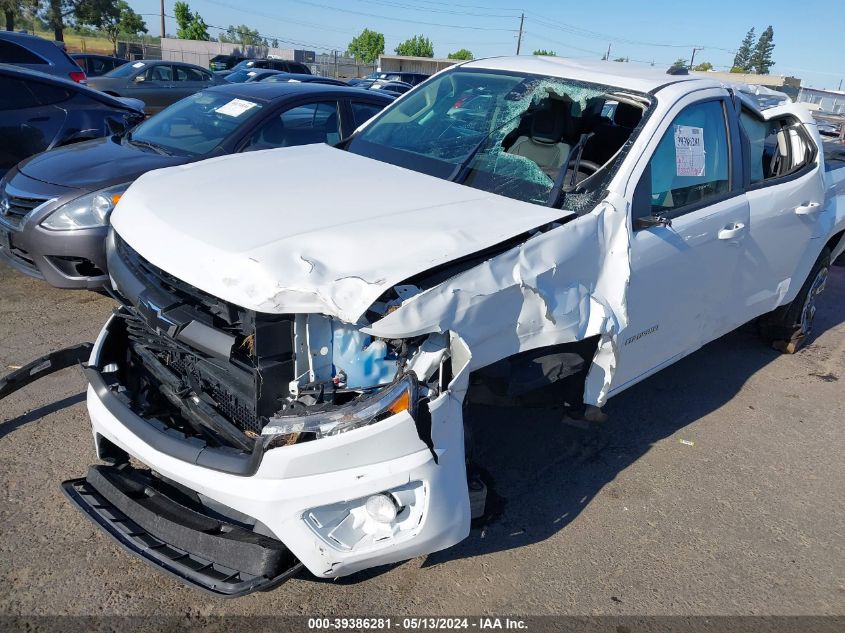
(788, 327)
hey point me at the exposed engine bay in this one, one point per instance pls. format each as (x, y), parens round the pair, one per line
(230, 375)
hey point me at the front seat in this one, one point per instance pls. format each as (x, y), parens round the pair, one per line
(332, 132)
(544, 145)
(160, 74)
(270, 136)
(609, 137)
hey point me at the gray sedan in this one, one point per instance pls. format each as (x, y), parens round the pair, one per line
(155, 82)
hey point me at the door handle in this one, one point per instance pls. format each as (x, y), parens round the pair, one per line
(808, 208)
(731, 231)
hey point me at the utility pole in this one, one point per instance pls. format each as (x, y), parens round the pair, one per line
(692, 59)
(607, 54)
(162, 19)
(519, 38)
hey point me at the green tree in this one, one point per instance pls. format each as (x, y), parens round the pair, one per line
(543, 51)
(111, 17)
(189, 25)
(677, 65)
(55, 12)
(742, 59)
(14, 9)
(367, 46)
(463, 54)
(761, 58)
(417, 46)
(621, 59)
(703, 66)
(242, 35)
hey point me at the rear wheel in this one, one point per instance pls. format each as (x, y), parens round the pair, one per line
(788, 327)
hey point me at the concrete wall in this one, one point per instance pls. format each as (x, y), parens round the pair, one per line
(427, 65)
(771, 81)
(197, 52)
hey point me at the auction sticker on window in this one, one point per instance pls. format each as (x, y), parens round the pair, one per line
(689, 150)
(236, 107)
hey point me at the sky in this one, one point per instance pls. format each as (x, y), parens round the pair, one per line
(658, 31)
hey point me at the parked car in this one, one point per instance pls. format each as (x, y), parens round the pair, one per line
(246, 75)
(37, 53)
(396, 87)
(290, 363)
(155, 82)
(40, 112)
(224, 62)
(409, 78)
(57, 204)
(828, 129)
(284, 65)
(299, 78)
(97, 65)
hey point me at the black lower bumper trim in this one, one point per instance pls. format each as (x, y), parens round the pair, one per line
(140, 513)
(47, 364)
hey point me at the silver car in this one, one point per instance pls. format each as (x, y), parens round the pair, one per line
(155, 82)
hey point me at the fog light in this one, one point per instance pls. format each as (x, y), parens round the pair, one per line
(381, 508)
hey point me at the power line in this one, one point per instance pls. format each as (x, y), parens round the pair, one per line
(268, 36)
(551, 23)
(325, 28)
(275, 17)
(415, 7)
(382, 17)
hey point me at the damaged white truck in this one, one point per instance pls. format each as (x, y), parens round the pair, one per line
(284, 382)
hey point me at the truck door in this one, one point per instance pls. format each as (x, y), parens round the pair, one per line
(786, 200)
(689, 223)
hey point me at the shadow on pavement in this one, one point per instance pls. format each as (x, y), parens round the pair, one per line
(36, 414)
(545, 472)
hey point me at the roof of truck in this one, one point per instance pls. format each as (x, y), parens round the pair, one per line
(625, 75)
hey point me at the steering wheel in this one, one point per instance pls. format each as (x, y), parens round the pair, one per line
(587, 166)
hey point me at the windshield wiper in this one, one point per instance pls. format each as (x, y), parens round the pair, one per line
(153, 146)
(458, 174)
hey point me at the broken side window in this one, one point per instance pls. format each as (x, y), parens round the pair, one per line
(523, 136)
(778, 148)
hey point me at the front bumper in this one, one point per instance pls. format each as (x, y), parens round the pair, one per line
(150, 519)
(65, 259)
(288, 483)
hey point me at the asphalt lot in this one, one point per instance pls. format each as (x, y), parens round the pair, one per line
(720, 490)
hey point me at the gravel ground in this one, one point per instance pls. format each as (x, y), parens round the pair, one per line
(720, 490)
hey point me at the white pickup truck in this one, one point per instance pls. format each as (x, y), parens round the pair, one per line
(301, 327)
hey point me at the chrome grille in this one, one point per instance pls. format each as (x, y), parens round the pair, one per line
(14, 207)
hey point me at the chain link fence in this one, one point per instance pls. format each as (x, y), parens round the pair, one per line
(340, 67)
(325, 64)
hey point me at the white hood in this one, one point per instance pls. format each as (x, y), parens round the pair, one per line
(309, 229)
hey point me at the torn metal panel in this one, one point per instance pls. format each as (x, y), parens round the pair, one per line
(559, 286)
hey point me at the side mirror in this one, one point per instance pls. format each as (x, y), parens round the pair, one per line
(139, 79)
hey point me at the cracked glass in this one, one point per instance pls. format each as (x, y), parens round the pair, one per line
(507, 133)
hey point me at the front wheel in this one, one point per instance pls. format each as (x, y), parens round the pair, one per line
(788, 327)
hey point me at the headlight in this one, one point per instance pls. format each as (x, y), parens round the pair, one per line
(398, 397)
(86, 212)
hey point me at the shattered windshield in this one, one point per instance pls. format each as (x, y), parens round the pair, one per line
(517, 135)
